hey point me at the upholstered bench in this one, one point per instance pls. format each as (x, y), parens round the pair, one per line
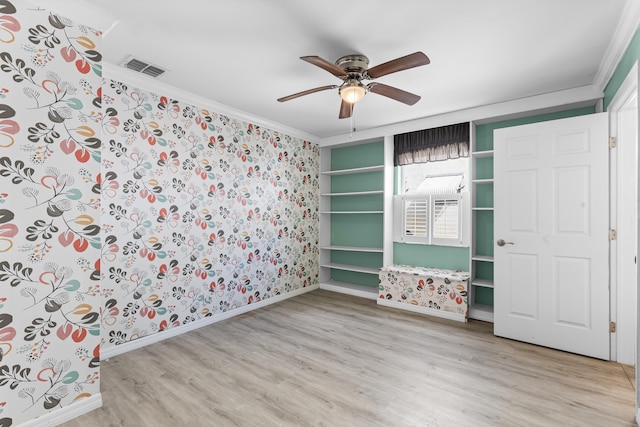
(432, 291)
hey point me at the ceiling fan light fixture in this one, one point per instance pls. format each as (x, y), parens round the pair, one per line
(352, 69)
(352, 92)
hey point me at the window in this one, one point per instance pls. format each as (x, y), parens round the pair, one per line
(432, 202)
(446, 176)
(431, 208)
(432, 219)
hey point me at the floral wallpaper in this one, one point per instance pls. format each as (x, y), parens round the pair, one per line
(50, 146)
(201, 213)
(124, 213)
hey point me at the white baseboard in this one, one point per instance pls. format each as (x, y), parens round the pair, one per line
(67, 413)
(481, 312)
(161, 336)
(423, 310)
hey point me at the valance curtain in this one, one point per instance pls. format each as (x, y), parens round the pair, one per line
(430, 145)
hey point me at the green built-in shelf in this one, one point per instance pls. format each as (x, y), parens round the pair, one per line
(484, 232)
(484, 168)
(358, 278)
(357, 156)
(483, 193)
(356, 214)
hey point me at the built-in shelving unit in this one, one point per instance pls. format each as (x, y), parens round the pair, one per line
(481, 267)
(353, 202)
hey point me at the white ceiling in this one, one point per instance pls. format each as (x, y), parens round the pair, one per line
(245, 53)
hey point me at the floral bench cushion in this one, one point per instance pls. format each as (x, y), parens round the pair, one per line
(437, 289)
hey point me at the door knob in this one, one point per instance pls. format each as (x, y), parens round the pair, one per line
(501, 242)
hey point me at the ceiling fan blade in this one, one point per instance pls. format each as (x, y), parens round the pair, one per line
(306, 92)
(393, 93)
(346, 110)
(325, 65)
(404, 63)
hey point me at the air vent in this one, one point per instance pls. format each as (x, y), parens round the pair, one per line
(143, 67)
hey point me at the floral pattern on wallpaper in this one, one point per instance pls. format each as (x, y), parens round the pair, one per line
(50, 146)
(202, 213)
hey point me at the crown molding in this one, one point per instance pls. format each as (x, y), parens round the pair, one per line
(150, 84)
(583, 96)
(102, 20)
(626, 29)
(81, 11)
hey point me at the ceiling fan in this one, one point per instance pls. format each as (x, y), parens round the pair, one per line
(352, 69)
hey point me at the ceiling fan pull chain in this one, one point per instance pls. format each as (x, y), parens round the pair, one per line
(351, 123)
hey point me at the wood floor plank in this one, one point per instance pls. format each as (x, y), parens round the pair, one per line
(327, 359)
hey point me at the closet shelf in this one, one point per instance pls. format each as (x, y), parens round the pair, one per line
(353, 193)
(481, 154)
(482, 283)
(352, 249)
(355, 268)
(352, 212)
(354, 170)
(485, 258)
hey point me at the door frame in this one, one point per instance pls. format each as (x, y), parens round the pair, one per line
(620, 289)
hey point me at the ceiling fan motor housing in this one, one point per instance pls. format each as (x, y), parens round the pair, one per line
(353, 64)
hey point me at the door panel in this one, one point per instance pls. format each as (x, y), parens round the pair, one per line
(523, 274)
(572, 291)
(551, 209)
(571, 143)
(571, 215)
(523, 191)
(522, 148)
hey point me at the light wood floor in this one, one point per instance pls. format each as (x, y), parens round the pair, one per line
(327, 359)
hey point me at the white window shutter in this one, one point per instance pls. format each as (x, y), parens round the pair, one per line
(446, 220)
(416, 217)
(429, 219)
(411, 219)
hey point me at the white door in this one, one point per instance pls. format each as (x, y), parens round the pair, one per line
(551, 199)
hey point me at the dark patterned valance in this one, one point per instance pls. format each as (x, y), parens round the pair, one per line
(430, 145)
